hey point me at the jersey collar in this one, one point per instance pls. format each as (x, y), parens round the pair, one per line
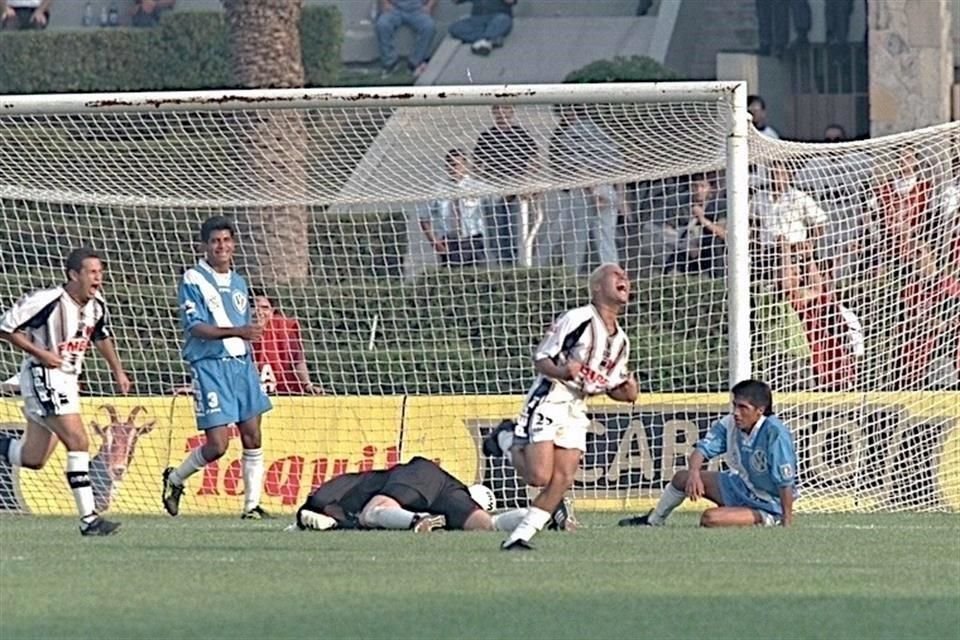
(753, 432)
(217, 278)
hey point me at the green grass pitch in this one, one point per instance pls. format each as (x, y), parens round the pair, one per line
(839, 576)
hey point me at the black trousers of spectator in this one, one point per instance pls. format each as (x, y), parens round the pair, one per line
(463, 252)
(837, 16)
(773, 23)
(506, 216)
(22, 20)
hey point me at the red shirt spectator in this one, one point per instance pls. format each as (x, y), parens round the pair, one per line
(279, 353)
(921, 325)
(827, 332)
(905, 200)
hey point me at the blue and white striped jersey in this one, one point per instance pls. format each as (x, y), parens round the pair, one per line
(218, 299)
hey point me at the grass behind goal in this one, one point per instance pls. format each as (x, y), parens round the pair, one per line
(842, 576)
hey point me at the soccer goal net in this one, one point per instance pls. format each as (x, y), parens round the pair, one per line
(410, 247)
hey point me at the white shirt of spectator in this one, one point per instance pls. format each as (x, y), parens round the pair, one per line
(23, 4)
(949, 206)
(770, 132)
(854, 331)
(790, 216)
(442, 217)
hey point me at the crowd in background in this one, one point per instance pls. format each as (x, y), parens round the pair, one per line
(848, 249)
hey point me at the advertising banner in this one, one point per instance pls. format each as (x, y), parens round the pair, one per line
(857, 452)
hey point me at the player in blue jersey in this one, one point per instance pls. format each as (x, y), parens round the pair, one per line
(760, 484)
(215, 310)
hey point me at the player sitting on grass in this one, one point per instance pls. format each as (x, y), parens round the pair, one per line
(418, 495)
(758, 488)
(584, 354)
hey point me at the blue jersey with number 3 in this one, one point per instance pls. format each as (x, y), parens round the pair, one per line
(218, 299)
(765, 459)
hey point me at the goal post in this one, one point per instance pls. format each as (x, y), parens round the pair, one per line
(424, 238)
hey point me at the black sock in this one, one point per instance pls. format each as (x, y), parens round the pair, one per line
(5, 448)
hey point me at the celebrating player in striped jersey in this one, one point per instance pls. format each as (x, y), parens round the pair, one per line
(54, 327)
(215, 311)
(758, 488)
(584, 354)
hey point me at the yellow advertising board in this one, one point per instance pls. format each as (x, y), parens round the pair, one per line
(306, 442)
(857, 451)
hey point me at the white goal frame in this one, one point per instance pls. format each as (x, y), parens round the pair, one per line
(732, 95)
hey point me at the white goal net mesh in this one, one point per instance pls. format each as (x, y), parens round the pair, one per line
(414, 255)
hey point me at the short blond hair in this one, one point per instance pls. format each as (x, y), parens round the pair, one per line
(597, 275)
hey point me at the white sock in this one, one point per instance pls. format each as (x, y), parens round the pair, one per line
(13, 453)
(509, 520)
(78, 477)
(188, 467)
(535, 520)
(669, 500)
(252, 478)
(390, 518)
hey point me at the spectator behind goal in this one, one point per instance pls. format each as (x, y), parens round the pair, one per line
(456, 226)
(25, 14)
(147, 13)
(489, 22)
(279, 353)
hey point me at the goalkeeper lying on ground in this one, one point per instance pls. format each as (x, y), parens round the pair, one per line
(417, 495)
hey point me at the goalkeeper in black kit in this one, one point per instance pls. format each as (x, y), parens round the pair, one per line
(417, 495)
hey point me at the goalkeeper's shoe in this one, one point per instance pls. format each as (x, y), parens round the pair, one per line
(637, 521)
(425, 523)
(171, 493)
(562, 519)
(98, 527)
(491, 444)
(516, 545)
(257, 513)
(307, 519)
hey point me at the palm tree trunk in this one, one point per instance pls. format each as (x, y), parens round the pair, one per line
(264, 43)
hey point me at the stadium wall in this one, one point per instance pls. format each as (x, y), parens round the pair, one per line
(858, 452)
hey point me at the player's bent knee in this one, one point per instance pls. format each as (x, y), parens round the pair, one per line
(679, 480)
(538, 477)
(74, 441)
(34, 465)
(479, 520)
(711, 518)
(213, 451)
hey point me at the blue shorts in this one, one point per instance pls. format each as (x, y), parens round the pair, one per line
(226, 391)
(736, 493)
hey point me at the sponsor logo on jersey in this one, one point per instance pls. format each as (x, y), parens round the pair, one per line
(758, 461)
(73, 346)
(239, 301)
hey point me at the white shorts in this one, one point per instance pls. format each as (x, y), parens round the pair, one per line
(48, 392)
(562, 423)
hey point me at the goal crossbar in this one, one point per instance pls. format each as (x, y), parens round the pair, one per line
(321, 98)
